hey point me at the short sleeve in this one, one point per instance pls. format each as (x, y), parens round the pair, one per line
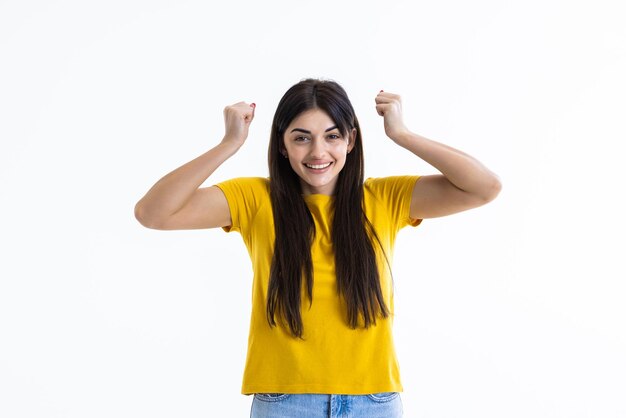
(244, 196)
(395, 194)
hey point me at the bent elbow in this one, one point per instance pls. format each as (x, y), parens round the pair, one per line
(145, 220)
(140, 216)
(494, 190)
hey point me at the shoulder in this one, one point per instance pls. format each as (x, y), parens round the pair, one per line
(254, 182)
(247, 192)
(392, 197)
(245, 185)
(382, 187)
(245, 196)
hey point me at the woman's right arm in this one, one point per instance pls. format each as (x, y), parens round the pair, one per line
(177, 201)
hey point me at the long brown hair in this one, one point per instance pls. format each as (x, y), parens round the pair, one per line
(358, 280)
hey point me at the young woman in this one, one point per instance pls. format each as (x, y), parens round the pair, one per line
(321, 240)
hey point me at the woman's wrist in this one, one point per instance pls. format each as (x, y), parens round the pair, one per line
(229, 145)
(403, 137)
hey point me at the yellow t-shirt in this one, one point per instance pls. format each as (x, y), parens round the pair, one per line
(332, 358)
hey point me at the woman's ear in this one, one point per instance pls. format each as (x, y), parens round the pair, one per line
(351, 139)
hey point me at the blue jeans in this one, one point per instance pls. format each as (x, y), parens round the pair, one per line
(309, 405)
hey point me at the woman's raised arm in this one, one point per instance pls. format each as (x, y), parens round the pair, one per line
(464, 184)
(176, 201)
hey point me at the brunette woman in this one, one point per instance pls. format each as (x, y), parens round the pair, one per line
(321, 240)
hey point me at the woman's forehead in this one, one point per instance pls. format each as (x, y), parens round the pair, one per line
(312, 119)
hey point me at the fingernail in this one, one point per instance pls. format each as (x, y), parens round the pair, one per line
(381, 91)
(253, 105)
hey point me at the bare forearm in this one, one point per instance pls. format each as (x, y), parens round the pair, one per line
(461, 169)
(171, 192)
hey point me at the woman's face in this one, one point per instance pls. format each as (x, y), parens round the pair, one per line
(316, 150)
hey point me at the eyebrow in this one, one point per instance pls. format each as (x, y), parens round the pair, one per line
(308, 132)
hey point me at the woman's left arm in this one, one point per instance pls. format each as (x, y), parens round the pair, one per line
(464, 184)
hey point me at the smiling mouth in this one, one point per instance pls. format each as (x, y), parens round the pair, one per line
(318, 166)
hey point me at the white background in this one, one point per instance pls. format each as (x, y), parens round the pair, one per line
(514, 309)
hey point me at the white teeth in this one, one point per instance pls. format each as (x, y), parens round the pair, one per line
(318, 166)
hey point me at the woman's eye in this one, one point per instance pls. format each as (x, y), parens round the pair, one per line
(333, 136)
(301, 138)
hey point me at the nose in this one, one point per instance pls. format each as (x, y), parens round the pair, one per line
(318, 147)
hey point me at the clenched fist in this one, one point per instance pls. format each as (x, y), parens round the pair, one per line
(389, 106)
(237, 118)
